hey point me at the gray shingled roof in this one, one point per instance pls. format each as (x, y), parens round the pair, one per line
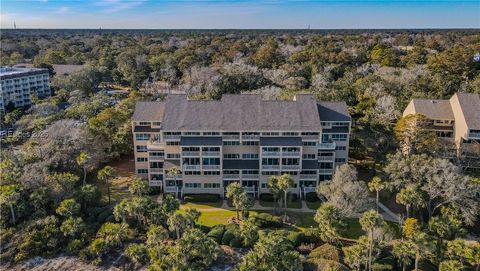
(241, 113)
(200, 141)
(247, 112)
(333, 111)
(280, 141)
(434, 109)
(240, 164)
(149, 111)
(470, 105)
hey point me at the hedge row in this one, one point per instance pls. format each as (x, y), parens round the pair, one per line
(202, 197)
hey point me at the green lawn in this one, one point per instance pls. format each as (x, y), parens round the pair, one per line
(354, 230)
(313, 205)
(297, 204)
(118, 189)
(203, 205)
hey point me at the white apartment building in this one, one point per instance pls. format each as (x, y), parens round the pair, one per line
(240, 138)
(19, 84)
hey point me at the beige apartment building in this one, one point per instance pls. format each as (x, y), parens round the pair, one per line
(457, 124)
(240, 138)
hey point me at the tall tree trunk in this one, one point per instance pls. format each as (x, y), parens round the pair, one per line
(404, 267)
(177, 232)
(108, 187)
(84, 175)
(285, 206)
(13, 213)
(370, 251)
(274, 204)
(408, 210)
(417, 258)
(377, 201)
(236, 210)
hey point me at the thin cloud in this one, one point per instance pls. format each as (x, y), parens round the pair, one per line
(113, 6)
(63, 10)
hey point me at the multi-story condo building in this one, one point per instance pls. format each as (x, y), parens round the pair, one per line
(19, 84)
(239, 138)
(456, 122)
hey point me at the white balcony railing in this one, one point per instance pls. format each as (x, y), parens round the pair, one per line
(210, 167)
(249, 176)
(325, 171)
(290, 166)
(211, 153)
(231, 137)
(290, 153)
(250, 137)
(171, 189)
(271, 167)
(231, 176)
(155, 183)
(172, 137)
(327, 146)
(190, 153)
(309, 189)
(474, 135)
(270, 154)
(155, 170)
(173, 177)
(325, 158)
(308, 176)
(191, 167)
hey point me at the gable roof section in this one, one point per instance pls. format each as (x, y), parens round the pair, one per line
(333, 111)
(149, 111)
(434, 109)
(470, 107)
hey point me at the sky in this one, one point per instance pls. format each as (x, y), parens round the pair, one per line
(241, 14)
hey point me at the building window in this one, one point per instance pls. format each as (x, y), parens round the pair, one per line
(144, 123)
(141, 148)
(191, 161)
(270, 149)
(309, 156)
(211, 173)
(211, 161)
(250, 156)
(191, 133)
(270, 134)
(270, 161)
(231, 143)
(340, 148)
(340, 160)
(142, 171)
(173, 156)
(309, 133)
(309, 143)
(156, 154)
(290, 161)
(290, 134)
(211, 149)
(193, 185)
(252, 172)
(269, 173)
(156, 165)
(211, 185)
(156, 123)
(173, 143)
(231, 156)
(142, 159)
(327, 138)
(250, 143)
(211, 133)
(192, 173)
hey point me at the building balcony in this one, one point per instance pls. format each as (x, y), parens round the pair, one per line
(155, 170)
(172, 137)
(327, 146)
(191, 153)
(211, 153)
(173, 177)
(325, 171)
(155, 183)
(156, 158)
(250, 176)
(326, 158)
(231, 176)
(191, 167)
(211, 167)
(250, 137)
(171, 189)
(154, 145)
(294, 154)
(474, 136)
(308, 176)
(231, 137)
(271, 167)
(270, 154)
(294, 167)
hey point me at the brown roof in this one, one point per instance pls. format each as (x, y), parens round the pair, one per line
(149, 111)
(434, 109)
(470, 106)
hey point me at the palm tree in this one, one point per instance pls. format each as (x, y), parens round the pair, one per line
(410, 196)
(284, 183)
(173, 172)
(245, 202)
(10, 195)
(139, 186)
(272, 184)
(105, 174)
(370, 220)
(82, 159)
(376, 185)
(234, 190)
(404, 250)
(192, 215)
(176, 222)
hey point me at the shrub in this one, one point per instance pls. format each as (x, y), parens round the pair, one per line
(297, 238)
(75, 245)
(217, 233)
(227, 237)
(202, 197)
(381, 267)
(102, 217)
(154, 190)
(263, 220)
(236, 242)
(327, 252)
(311, 197)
